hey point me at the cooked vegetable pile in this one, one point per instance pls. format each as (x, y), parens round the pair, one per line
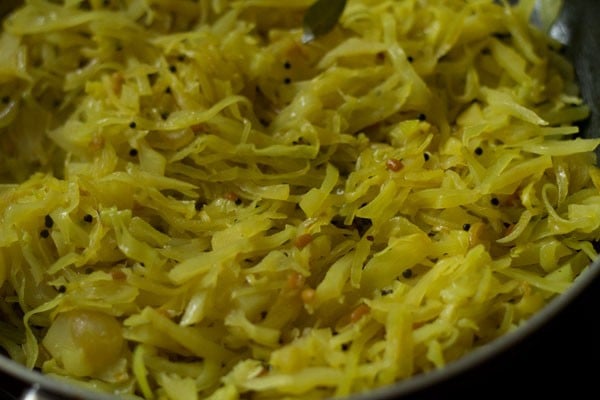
(195, 204)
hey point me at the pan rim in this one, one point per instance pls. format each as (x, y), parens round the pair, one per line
(402, 388)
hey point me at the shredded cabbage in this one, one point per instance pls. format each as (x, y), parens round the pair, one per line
(194, 204)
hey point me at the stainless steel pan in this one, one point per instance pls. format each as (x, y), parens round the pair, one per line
(505, 366)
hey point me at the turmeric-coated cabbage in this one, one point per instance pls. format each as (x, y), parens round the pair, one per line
(195, 204)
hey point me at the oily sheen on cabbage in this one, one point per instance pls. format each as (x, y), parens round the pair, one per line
(195, 204)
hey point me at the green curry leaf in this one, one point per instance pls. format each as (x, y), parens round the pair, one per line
(321, 17)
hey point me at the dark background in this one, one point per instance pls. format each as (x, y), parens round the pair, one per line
(560, 360)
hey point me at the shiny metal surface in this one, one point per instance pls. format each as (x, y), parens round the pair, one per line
(37, 393)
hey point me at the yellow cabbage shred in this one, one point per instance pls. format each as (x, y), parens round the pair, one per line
(196, 205)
